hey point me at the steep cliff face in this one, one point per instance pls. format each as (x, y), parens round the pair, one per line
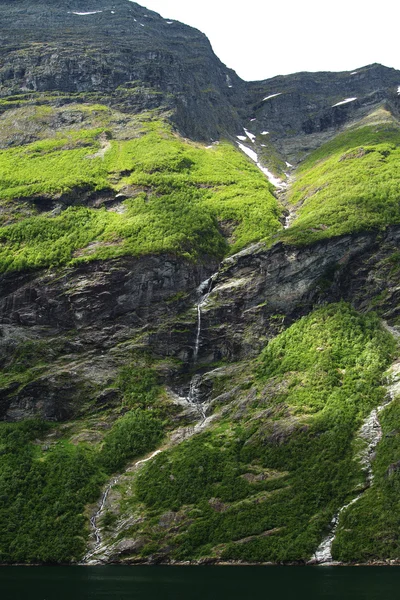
(192, 357)
(122, 50)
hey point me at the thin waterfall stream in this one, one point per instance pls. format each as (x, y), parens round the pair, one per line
(371, 433)
(193, 398)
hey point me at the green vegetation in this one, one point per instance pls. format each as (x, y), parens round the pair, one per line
(46, 481)
(178, 195)
(267, 489)
(348, 185)
(43, 496)
(261, 485)
(370, 530)
(133, 434)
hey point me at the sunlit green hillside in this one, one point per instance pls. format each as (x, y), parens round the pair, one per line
(350, 184)
(153, 192)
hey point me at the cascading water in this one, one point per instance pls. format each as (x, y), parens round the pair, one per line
(95, 518)
(371, 433)
(203, 291)
(193, 398)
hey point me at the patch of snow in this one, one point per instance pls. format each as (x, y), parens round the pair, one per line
(272, 179)
(272, 96)
(253, 155)
(354, 73)
(135, 20)
(251, 120)
(169, 22)
(228, 81)
(250, 135)
(264, 132)
(398, 90)
(344, 102)
(263, 145)
(241, 137)
(250, 153)
(113, 12)
(288, 164)
(93, 12)
(142, 24)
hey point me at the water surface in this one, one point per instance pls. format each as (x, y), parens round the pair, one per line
(199, 583)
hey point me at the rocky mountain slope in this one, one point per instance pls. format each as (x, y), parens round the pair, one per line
(198, 297)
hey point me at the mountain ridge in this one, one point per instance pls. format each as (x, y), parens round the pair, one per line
(194, 343)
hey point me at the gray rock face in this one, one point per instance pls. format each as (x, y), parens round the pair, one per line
(304, 110)
(78, 326)
(83, 316)
(259, 291)
(94, 315)
(136, 60)
(122, 49)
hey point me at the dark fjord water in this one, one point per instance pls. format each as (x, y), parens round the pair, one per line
(195, 583)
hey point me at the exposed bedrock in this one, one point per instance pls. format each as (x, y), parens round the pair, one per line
(92, 317)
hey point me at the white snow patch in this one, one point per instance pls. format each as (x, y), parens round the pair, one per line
(113, 12)
(272, 96)
(251, 120)
(250, 135)
(398, 90)
(250, 153)
(142, 24)
(135, 20)
(241, 137)
(354, 73)
(93, 12)
(288, 164)
(253, 155)
(344, 102)
(263, 145)
(169, 22)
(228, 81)
(264, 132)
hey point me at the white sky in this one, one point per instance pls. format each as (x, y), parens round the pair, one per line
(263, 38)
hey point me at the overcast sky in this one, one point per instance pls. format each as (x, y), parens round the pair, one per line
(261, 38)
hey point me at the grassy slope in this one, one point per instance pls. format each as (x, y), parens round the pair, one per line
(180, 193)
(348, 185)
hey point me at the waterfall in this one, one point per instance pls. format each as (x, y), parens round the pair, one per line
(197, 344)
(203, 292)
(371, 433)
(194, 395)
(94, 519)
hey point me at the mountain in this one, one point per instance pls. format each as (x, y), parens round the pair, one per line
(199, 299)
